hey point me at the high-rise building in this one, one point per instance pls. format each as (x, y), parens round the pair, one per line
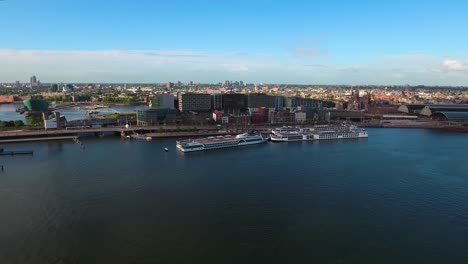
(257, 100)
(33, 80)
(279, 103)
(216, 101)
(194, 102)
(227, 83)
(233, 103)
(169, 85)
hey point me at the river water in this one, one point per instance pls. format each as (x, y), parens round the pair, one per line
(400, 196)
(8, 111)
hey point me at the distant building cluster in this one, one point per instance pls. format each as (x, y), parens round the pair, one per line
(242, 103)
(237, 108)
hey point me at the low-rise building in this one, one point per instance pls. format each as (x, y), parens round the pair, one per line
(149, 117)
(300, 117)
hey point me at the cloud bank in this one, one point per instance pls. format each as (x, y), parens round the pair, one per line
(209, 67)
(451, 64)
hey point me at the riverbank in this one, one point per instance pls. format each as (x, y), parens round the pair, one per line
(18, 140)
(148, 131)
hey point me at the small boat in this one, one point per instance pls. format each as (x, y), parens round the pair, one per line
(101, 106)
(140, 136)
(166, 149)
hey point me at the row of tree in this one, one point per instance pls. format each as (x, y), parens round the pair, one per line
(12, 123)
(123, 100)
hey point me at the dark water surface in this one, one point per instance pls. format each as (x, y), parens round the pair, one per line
(399, 197)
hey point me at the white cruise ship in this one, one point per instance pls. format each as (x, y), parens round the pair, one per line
(314, 129)
(317, 133)
(219, 142)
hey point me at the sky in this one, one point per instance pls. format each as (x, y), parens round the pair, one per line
(260, 41)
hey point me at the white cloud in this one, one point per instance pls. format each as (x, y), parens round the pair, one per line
(454, 64)
(121, 65)
(236, 67)
(398, 75)
(201, 66)
(310, 51)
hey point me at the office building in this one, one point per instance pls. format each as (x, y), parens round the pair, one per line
(279, 103)
(294, 102)
(216, 101)
(233, 103)
(194, 102)
(162, 101)
(257, 100)
(149, 117)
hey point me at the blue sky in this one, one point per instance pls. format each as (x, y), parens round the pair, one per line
(317, 42)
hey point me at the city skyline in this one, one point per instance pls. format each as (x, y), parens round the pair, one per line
(398, 43)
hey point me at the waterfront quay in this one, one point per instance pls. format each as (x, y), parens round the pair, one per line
(180, 131)
(151, 131)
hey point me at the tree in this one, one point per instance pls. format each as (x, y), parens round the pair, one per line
(18, 123)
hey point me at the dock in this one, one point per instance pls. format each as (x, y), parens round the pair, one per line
(17, 140)
(19, 152)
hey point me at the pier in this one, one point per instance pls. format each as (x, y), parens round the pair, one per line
(153, 131)
(17, 140)
(76, 131)
(18, 152)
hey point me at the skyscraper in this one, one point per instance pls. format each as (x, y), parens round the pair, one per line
(169, 85)
(33, 80)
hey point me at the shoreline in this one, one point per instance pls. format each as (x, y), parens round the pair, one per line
(19, 140)
(153, 132)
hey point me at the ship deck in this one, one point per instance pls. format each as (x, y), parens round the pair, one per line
(209, 140)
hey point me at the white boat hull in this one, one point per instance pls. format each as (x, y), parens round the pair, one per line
(241, 142)
(318, 137)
